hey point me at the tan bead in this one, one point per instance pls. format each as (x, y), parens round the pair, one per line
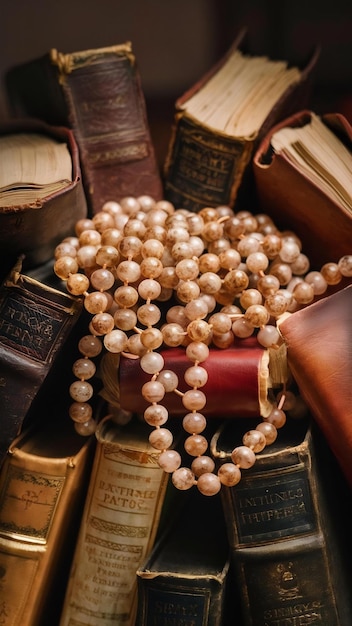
(169, 460)
(183, 478)
(161, 438)
(201, 465)
(208, 484)
(229, 474)
(243, 457)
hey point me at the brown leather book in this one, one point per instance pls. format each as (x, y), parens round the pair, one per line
(288, 529)
(37, 325)
(319, 354)
(34, 220)
(43, 482)
(118, 528)
(209, 155)
(98, 93)
(297, 202)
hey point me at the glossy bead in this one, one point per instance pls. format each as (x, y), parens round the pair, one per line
(149, 289)
(220, 322)
(196, 309)
(96, 302)
(169, 461)
(153, 391)
(115, 341)
(235, 281)
(318, 282)
(128, 271)
(89, 237)
(83, 224)
(148, 314)
(195, 445)
(183, 478)
(64, 266)
(345, 265)
(130, 247)
(107, 256)
(198, 330)
(102, 323)
(168, 278)
(268, 285)
(300, 265)
(194, 400)
(187, 290)
(125, 319)
(248, 245)
(223, 340)
(303, 293)
(151, 267)
(80, 412)
(257, 262)
(84, 369)
(242, 328)
(276, 417)
(161, 438)
(65, 249)
(271, 245)
(194, 423)
(196, 376)
(90, 346)
(268, 336)
(331, 273)
(256, 315)
(86, 257)
(269, 431)
(276, 304)
(173, 334)
(103, 220)
(208, 263)
(77, 284)
(209, 282)
(202, 464)
(243, 457)
(152, 248)
(156, 415)
(208, 484)
(282, 271)
(229, 474)
(126, 296)
(152, 362)
(255, 440)
(81, 391)
(168, 379)
(289, 251)
(86, 429)
(151, 338)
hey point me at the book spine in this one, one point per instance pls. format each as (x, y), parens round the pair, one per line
(107, 110)
(39, 508)
(35, 322)
(282, 544)
(203, 167)
(119, 524)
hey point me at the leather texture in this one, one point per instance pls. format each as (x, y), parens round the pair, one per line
(35, 231)
(295, 203)
(319, 353)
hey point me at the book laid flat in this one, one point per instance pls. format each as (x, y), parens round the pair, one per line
(319, 353)
(118, 528)
(285, 522)
(303, 173)
(37, 323)
(220, 120)
(42, 485)
(185, 577)
(41, 191)
(98, 93)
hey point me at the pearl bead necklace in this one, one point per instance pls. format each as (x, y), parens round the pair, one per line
(223, 276)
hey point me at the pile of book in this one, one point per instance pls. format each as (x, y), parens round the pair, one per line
(92, 532)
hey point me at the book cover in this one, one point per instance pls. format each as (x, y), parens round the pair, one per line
(186, 575)
(98, 93)
(118, 528)
(37, 324)
(297, 201)
(43, 482)
(285, 522)
(319, 355)
(33, 219)
(209, 162)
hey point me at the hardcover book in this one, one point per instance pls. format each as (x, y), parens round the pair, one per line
(220, 120)
(37, 324)
(42, 485)
(119, 525)
(41, 191)
(285, 522)
(186, 574)
(98, 93)
(319, 355)
(303, 174)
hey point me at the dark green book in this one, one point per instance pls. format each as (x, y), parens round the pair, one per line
(184, 580)
(287, 528)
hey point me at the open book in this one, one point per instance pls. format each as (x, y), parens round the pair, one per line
(237, 99)
(32, 167)
(320, 155)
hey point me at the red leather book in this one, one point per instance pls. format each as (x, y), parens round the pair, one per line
(98, 93)
(319, 353)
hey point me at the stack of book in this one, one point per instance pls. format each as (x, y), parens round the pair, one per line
(91, 530)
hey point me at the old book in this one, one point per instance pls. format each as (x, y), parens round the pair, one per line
(43, 482)
(220, 120)
(41, 191)
(186, 575)
(286, 522)
(303, 173)
(318, 340)
(118, 528)
(98, 93)
(37, 330)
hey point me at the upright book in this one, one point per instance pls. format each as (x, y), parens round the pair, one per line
(186, 575)
(303, 174)
(37, 325)
(43, 482)
(220, 120)
(98, 93)
(118, 528)
(41, 191)
(287, 528)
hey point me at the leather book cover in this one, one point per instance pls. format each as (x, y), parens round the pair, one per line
(43, 482)
(99, 94)
(319, 354)
(206, 167)
(37, 323)
(187, 572)
(288, 528)
(35, 228)
(296, 203)
(120, 520)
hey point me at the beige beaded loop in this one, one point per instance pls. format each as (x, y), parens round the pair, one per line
(225, 276)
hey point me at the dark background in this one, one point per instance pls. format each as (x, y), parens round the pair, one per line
(175, 41)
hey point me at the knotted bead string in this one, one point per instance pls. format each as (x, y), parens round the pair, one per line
(231, 275)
